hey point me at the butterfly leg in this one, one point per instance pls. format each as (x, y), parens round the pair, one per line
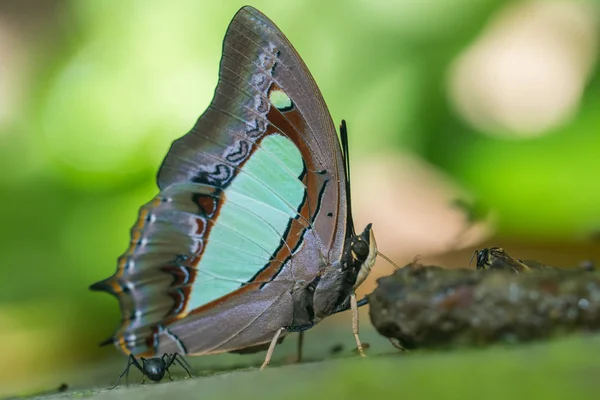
(346, 305)
(354, 308)
(271, 348)
(300, 344)
(300, 329)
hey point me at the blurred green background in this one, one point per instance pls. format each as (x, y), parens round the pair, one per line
(501, 97)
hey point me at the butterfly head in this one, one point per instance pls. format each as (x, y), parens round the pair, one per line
(363, 250)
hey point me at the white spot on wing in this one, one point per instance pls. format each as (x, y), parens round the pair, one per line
(279, 99)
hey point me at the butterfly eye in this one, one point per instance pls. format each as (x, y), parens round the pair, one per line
(360, 249)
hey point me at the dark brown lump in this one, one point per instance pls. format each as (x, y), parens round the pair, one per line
(431, 306)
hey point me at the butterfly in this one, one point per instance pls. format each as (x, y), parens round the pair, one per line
(251, 235)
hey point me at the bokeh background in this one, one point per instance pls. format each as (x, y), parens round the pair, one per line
(472, 123)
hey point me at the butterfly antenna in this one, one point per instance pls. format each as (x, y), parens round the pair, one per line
(346, 154)
(386, 258)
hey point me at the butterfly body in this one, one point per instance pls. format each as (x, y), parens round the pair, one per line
(251, 234)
